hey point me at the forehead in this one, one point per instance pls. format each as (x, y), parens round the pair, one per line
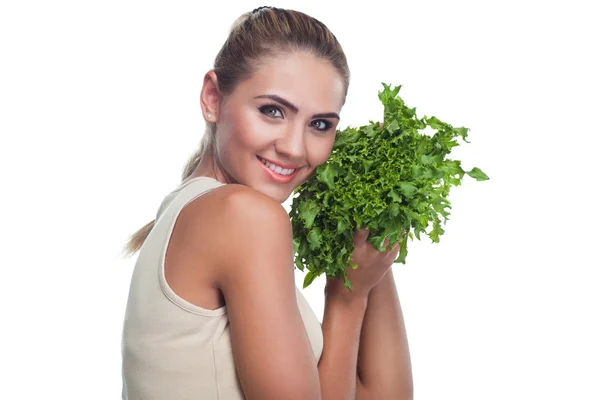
(310, 83)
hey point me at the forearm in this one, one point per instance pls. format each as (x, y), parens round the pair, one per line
(342, 321)
(384, 359)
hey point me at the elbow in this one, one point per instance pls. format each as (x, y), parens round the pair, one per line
(406, 392)
(405, 387)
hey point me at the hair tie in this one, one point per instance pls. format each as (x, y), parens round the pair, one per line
(258, 9)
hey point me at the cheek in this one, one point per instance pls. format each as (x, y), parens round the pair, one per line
(247, 128)
(320, 150)
(234, 130)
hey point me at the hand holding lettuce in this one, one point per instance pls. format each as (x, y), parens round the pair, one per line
(389, 179)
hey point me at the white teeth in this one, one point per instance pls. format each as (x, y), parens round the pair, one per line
(276, 168)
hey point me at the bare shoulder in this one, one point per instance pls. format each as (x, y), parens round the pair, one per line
(210, 225)
(241, 197)
(249, 222)
(255, 264)
(236, 209)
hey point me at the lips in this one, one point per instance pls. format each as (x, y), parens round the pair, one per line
(285, 166)
(275, 176)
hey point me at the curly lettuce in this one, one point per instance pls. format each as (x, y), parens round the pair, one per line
(389, 178)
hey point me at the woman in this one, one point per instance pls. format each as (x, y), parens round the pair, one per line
(213, 309)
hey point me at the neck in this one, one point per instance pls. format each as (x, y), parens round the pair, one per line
(209, 167)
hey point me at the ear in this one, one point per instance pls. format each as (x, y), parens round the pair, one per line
(210, 97)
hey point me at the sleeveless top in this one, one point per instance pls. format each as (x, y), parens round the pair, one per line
(172, 349)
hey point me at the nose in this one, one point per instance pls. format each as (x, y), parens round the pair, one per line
(290, 147)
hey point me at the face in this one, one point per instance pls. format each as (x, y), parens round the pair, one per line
(286, 113)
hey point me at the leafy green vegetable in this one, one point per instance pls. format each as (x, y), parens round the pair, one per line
(389, 178)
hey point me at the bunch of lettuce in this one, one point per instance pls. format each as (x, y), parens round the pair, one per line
(389, 178)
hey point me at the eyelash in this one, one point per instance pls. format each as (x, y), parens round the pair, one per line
(262, 109)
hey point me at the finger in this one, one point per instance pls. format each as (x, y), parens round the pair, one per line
(393, 254)
(360, 236)
(386, 241)
(395, 249)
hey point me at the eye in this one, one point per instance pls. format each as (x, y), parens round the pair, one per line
(271, 111)
(322, 125)
(275, 111)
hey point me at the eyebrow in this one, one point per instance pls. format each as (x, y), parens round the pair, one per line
(293, 107)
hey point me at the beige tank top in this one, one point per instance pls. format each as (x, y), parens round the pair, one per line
(172, 349)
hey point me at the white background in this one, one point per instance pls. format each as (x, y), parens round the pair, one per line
(99, 111)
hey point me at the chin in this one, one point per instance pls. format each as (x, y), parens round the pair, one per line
(279, 197)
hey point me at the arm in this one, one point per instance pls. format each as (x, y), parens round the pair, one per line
(271, 350)
(342, 321)
(263, 312)
(384, 359)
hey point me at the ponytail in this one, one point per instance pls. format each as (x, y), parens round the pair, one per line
(136, 240)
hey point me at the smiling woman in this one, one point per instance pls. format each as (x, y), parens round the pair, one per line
(286, 113)
(213, 311)
(271, 104)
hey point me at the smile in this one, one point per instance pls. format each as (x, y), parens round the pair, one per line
(276, 173)
(276, 168)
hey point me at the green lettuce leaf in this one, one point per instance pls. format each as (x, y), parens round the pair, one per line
(389, 178)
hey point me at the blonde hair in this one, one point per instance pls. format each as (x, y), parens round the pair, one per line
(264, 32)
